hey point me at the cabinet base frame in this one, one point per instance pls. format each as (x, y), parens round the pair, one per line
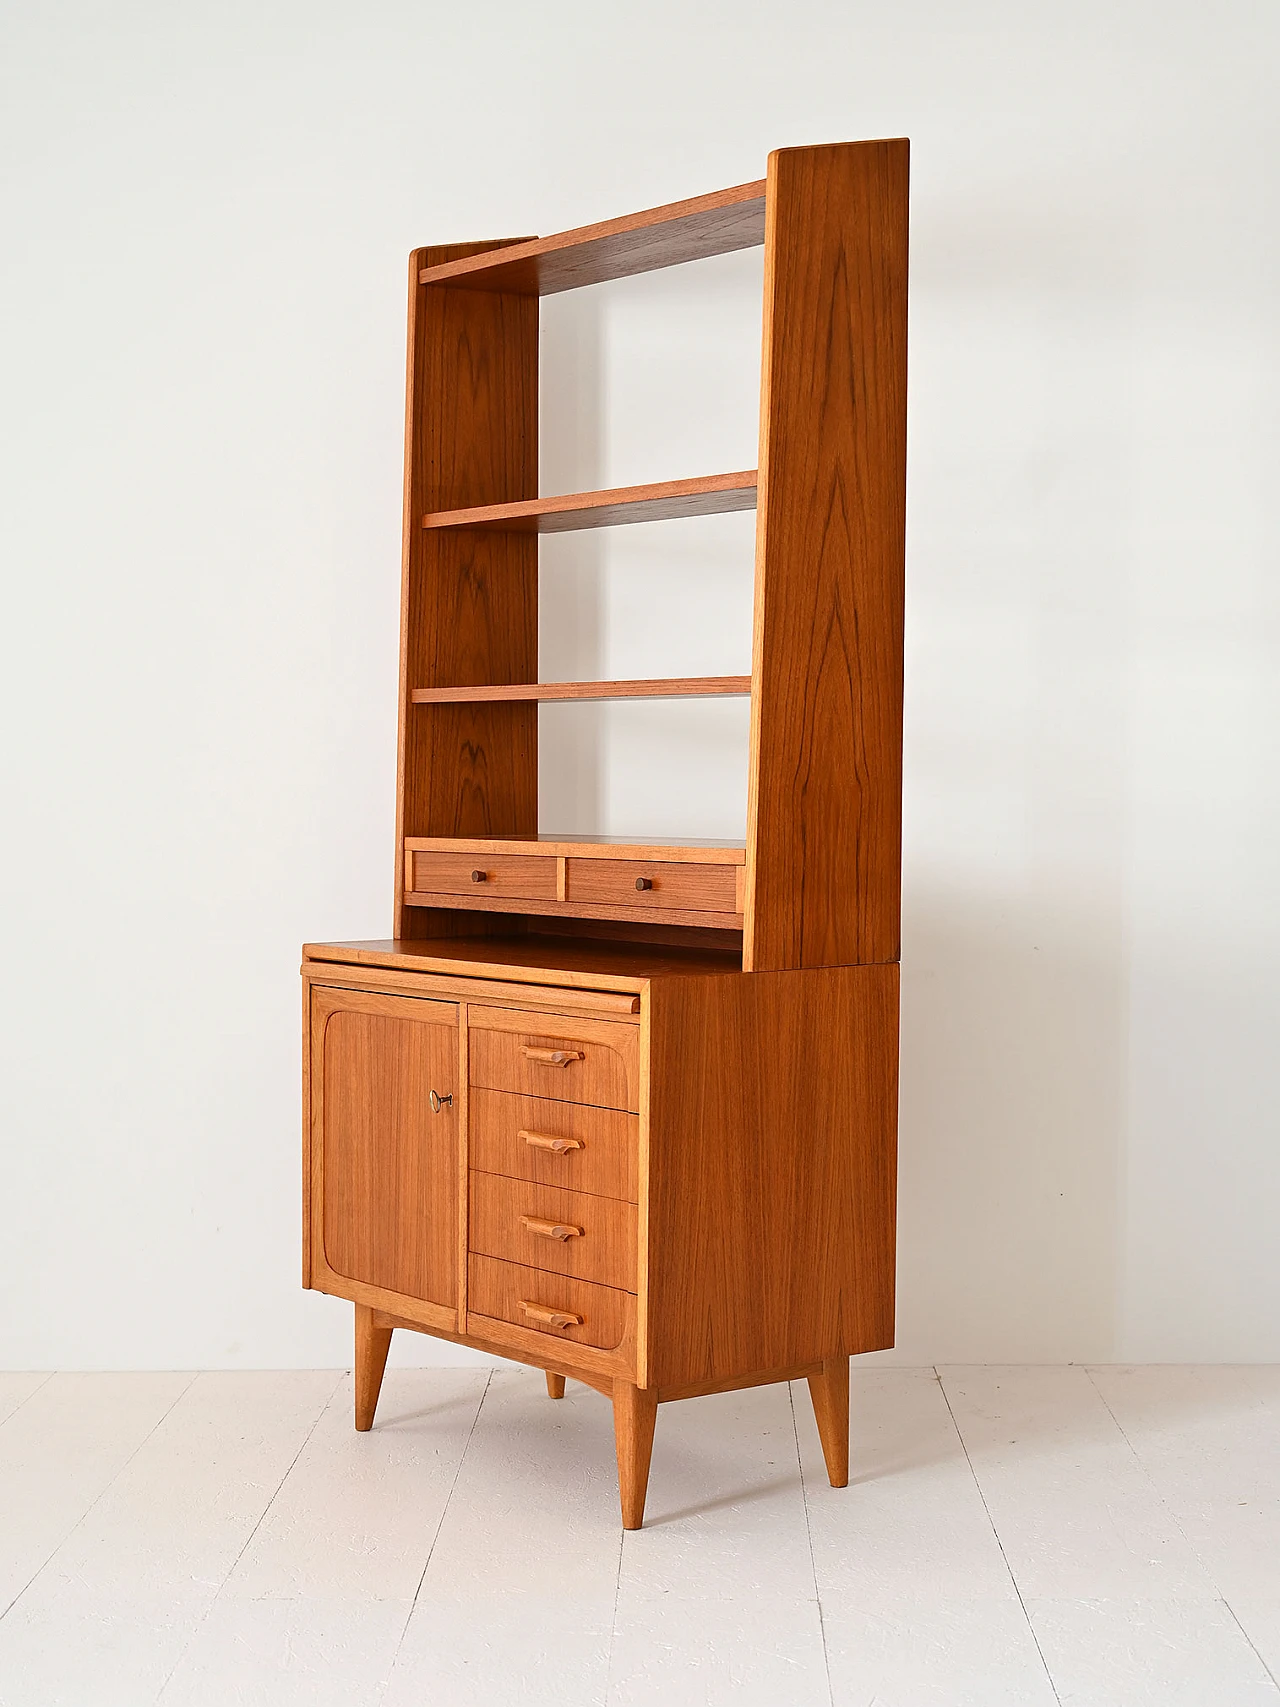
(634, 1408)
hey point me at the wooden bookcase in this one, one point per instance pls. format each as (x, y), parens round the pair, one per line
(626, 1111)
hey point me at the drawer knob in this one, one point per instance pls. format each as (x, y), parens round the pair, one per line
(438, 1102)
(544, 1141)
(551, 1229)
(478, 877)
(644, 883)
(551, 1057)
(548, 1317)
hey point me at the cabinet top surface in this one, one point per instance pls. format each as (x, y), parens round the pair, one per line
(531, 959)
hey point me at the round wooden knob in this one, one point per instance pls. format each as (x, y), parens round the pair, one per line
(644, 883)
(477, 876)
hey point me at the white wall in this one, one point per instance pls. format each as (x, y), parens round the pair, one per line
(207, 214)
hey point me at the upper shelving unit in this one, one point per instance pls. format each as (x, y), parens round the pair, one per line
(669, 500)
(615, 249)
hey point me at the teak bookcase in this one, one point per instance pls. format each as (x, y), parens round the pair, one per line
(626, 1112)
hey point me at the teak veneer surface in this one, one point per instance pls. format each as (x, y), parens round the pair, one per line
(824, 817)
(708, 851)
(772, 1170)
(574, 910)
(522, 959)
(691, 230)
(668, 500)
(664, 687)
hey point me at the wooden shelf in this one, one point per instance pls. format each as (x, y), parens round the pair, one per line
(668, 500)
(670, 687)
(696, 851)
(628, 914)
(615, 249)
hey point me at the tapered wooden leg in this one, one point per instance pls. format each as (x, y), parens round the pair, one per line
(830, 1394)
(634, 1411)
(555, 1386)
(372, 1346)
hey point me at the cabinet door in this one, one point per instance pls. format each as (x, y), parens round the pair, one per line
(386, 1149)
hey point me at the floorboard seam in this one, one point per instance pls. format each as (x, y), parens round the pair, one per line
(48, 1376)
(1158, 1491)
(101, 1495)
(1248, 1638)
(216, 1595)
(613, 1624)
(444, 1512)
(808, 1529)
(946, 1399)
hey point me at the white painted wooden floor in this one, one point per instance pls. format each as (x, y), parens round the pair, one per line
(1021, 1536)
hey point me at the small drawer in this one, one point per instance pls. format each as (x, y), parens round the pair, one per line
(549, 1304)
(654, 883)
(521, 878)
(592, 1061)
(568, 1232)
(555, 1143)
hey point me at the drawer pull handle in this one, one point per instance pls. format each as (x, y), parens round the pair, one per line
(552, 1057)
(548, 1317)
(477, 877)
(644, 883)
(438, 1102)
(544, 1141)
(551, 1229)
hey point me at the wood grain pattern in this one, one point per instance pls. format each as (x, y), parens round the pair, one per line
(498, 1288)
(825, 780)
(571, 512)
(389, 1182)
(665, 687)
(829, 1390)
(469, 608)
(690, 230)
(523, 876)
(605, 1160)
(372, 1345)
(506, 1215)
(594, 847)
(602, 1064)
(587, 1003)
(689, 888)
(512, 907)
(555, 1385)
(564, 961)
(772, 1140)
(635, 1411)
(583, 1363)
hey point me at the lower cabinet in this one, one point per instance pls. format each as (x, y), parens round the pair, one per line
(661, 1203)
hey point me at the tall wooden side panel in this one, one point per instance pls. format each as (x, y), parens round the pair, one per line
(824, 811)
(469, 610)
(772, 1170)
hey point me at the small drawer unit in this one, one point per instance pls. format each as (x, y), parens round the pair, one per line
(517, 877)
(544, 1226)
(686, 888)
(556, 1143)
(556, 1305)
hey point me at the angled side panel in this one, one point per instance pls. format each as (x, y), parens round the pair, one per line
(825, 800)
(770, 1173)
(469, 610)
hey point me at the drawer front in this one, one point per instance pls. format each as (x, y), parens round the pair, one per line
(656, 883)
(541, 1055)
(556, 1143)
(541, 1226)
(523, 879)
(551, 1304)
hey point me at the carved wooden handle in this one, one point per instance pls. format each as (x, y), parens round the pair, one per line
(551, 1057)
(551, 1229)
(544, 1141)
(548, 1317)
